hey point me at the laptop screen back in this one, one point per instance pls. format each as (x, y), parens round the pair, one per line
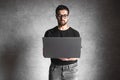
(61, 47)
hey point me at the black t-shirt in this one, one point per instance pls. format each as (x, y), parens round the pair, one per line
(55, 32)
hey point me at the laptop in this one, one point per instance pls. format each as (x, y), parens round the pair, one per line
(61, 47)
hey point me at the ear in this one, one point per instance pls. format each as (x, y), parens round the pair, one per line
(68, 17)
(56, 16)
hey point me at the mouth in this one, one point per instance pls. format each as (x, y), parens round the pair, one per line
(62, 21)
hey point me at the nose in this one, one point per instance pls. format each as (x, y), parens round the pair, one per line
(62, 17)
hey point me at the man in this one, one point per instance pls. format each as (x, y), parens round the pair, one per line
(63, 68)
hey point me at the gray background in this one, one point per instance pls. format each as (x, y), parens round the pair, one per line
(24, 22)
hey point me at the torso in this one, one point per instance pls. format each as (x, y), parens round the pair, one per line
(55, 32)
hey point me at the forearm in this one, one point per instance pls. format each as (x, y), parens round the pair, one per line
(68, 59)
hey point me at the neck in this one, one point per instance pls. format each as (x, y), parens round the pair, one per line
(65, 27)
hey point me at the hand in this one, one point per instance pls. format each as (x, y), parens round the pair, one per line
(68, 59)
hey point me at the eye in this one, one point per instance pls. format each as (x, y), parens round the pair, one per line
(64, 16)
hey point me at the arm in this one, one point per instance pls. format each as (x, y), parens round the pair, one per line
(68, 59)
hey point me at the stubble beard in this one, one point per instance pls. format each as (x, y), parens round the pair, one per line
(62, 23)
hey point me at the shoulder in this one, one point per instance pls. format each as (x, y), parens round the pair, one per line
(76, 33)
(49, 32)
(74, 30)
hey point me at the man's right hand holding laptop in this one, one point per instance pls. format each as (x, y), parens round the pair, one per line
(68, 59)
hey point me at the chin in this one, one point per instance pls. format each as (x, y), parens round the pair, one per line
(63, 24)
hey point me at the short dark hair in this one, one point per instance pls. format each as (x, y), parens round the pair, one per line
(62, 7)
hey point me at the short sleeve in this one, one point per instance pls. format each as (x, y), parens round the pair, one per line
(48, 34)
(77, 34)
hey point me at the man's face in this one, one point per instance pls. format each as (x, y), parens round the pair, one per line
(62, 17)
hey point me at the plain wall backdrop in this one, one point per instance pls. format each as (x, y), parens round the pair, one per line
(24, 22)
